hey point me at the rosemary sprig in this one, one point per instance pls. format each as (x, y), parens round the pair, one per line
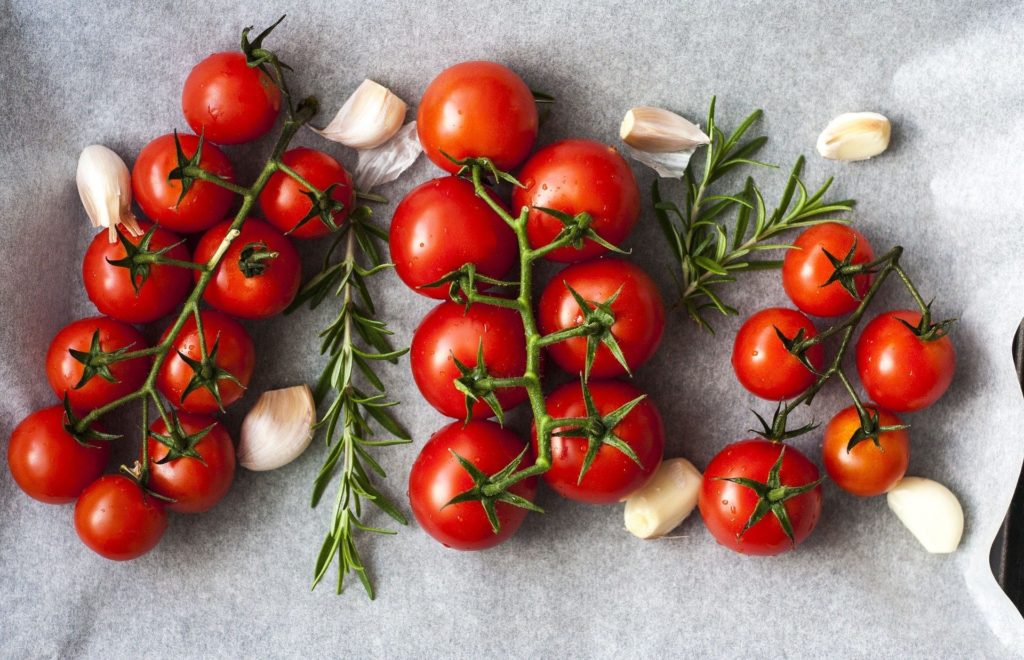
(709, 254)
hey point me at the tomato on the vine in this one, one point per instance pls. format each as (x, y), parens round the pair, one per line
(806, 269)
(866, 469)
(200, 470)
(285, 202)
(763, 364)
(116, 519)
(229, 101)
(437, 476)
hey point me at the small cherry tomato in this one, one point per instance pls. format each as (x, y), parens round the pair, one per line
(284, 201)
(116, 519)
(228, 101)
(761, 361)
(201, 474)
(866, 469)
(806, 268)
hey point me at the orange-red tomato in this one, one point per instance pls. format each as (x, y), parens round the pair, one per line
(116, 519)
(228, 101)
(867, 469)
(761, 361)
(285, 204)
(195, 484)
(806, 268)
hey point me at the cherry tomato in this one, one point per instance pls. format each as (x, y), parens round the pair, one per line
(204, 205)
(229, 101)
(480, 109)
(248, 283)
(48, 463)
(110, 287)
(899, 370)
(613, 475)
(116, 519)
(437, 476)
(64, 371)
(638, 310)
(195, 484)
(449, 333)
(726, 506)
(285, 204)
(235, 355)
(577, 176)
(806, 268)
(442, 225)
(867, 469)
(761, 361)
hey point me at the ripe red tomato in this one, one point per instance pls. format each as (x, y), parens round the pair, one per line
(726, 506)
(204, 205)
(48, 463)
(477, 109)
(761, 361)
(613, 475)
(235, 355)
(245, 283)
(806, 268)
(64, 371)
(576, 176)
(442, 225)
(867, 469)
(284, 203)
(437, 476)
(116, 519)
(449, 333)
(229, 101)
(899, 370)
(196, 484)
(110, 287)
(639, 314)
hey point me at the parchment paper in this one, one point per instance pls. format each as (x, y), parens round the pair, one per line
(235, 582)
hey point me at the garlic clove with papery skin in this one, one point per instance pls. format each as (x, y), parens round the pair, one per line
(368, 119)
(930, 511)
(277, 429)
(665, 500)
(104, 185)
(661, 139)
(855, 136)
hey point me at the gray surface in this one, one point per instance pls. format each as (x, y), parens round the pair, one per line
(235, 582)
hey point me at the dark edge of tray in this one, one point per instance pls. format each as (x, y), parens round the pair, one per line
(1008, 549)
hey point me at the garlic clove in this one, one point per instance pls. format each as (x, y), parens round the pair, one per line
(386, 163)
(368, 119)
(855, 136)
(657, 130)
(664, 501)
(930, 511)
(277, 429)
(104, 186)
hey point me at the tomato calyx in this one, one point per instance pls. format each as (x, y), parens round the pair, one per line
(489, 501)
(207, 374)
(258, 56)
(776, 431)
(927, 331)
(180, 443)
(139, 474)
(139, 258)
(188, 169)
(96, 361)
(871, 429)
(576, 230)
(475, 383)
(323, 207)
(798, 345)
(598, 319)
(462, 284)
(472, 167)
(254, 258)
(845, 271)
(83, 435)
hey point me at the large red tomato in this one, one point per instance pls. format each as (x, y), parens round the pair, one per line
(761, 361)
(195, 483)
(866, 469)
(229, 101)
(284, 201)
(116, 519)
(806, 268)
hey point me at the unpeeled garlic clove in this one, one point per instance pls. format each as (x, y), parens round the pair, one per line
(930, 511)
(855, 136)
(104, 185)
(277, 429)
(658, 130)
(386, 163)
(368, 119)
(664, 501)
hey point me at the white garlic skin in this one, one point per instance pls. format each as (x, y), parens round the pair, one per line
(930, 511)
(368, 119)
(277, 429)
(855, 136)
(105, 188)
(665, 500)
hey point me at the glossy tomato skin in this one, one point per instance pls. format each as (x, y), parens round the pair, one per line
(639, 314)
(613, 475)
(262, 294)
(46, 461)
(442, 225)
(228, 101)
(866, 470)
(898, 369)
(726, 506)
(203, 206)
(806, 268)
(760, 359)
(116, 519)
(436, 477)
(235, 354)
(576, 176)
(110, 287)
(284, 202)
(195, 485)
(477, 109)
(64, 371)
(451, 330)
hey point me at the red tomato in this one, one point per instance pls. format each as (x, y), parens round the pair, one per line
(110, 287)
(245, 284)
(204, 205)
(116, 519)
(229, 101)
(195, 484)
(235, 356)
(442, 225)
(437, 476)
(726, 506)
(899, 370)
(48, 463)
(284, 202)
(761, 361)
(639, 314)
(477, 109)
(450, 331)
(613, 475)
(867, 469)
(576, 176)
(806, 268)
(64, 371)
